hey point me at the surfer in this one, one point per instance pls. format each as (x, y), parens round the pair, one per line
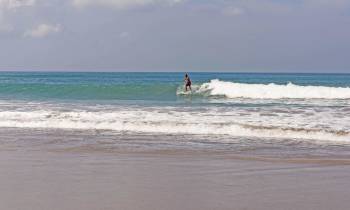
(187, 82)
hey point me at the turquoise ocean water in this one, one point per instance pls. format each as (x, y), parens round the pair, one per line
(234, 111)
(137, 86)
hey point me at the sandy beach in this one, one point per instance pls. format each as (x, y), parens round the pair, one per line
(41, 180)
(174, 105)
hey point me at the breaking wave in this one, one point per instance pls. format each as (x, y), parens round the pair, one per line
(162, 122)
(270, 91)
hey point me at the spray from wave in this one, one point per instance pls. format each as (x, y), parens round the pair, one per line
(269, 91)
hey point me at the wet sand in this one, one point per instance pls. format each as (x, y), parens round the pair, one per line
(42, 180)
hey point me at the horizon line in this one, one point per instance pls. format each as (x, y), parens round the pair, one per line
(170, 71)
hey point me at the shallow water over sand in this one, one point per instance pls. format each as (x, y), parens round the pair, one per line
(101, 141)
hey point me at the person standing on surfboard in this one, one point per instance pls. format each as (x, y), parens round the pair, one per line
(187, 82)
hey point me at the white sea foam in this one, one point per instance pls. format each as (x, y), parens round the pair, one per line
(272, 91)
(238, 122)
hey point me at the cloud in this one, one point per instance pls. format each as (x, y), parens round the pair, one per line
(121, 4)
(7, 7)
(233, 11)
(43, 30)
(12, 4)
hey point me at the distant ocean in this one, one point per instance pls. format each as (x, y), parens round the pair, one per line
(243, 112)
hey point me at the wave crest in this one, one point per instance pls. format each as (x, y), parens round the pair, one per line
(272, 91)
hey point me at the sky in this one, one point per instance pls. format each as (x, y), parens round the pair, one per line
(175, 35)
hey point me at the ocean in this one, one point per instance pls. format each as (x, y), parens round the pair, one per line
(268, 114)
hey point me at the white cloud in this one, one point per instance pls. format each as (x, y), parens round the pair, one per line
(121, 4)
(43, 30)
(233, 11)
(12, 4)
(9, 6)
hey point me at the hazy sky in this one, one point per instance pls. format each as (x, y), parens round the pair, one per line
(175, 35)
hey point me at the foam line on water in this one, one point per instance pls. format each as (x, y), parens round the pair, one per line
(161, 122)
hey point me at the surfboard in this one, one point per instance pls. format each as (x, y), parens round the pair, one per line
(182, 91)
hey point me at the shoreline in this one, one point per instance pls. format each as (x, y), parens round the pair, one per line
(73, 170)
